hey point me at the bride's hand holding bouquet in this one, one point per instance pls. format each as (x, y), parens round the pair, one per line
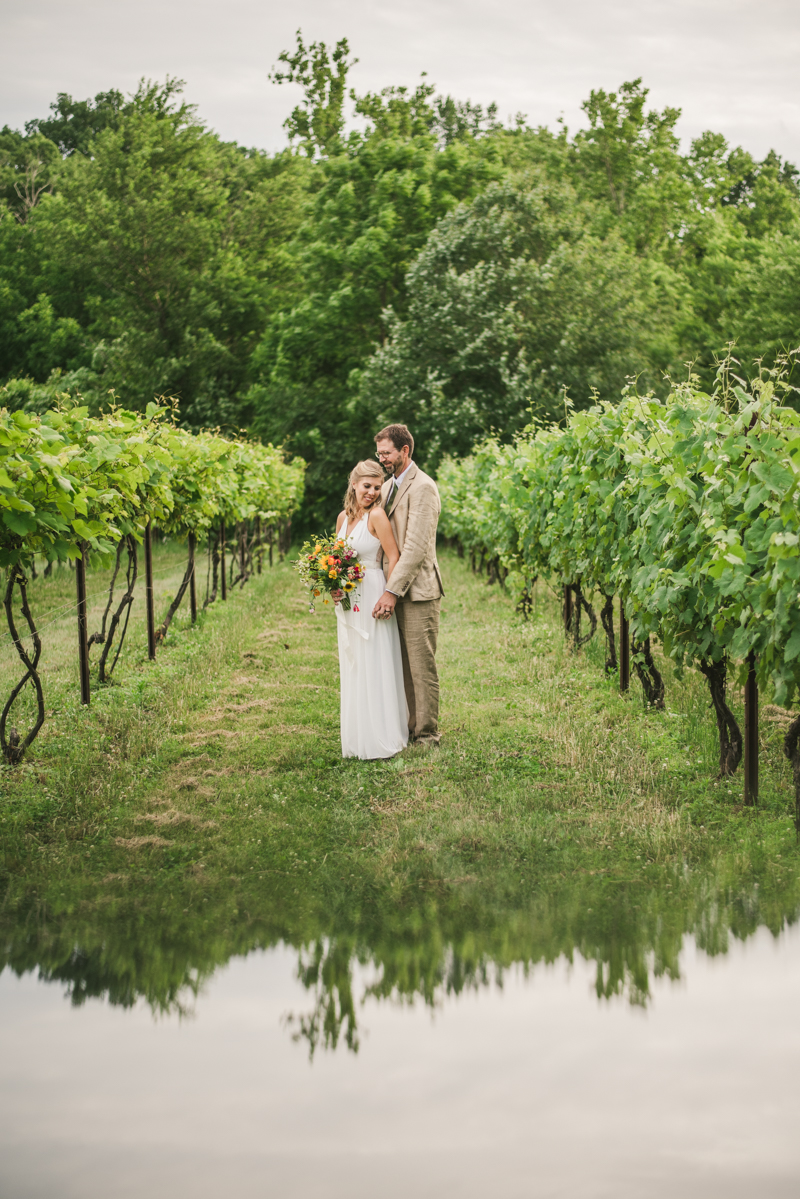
(330, 568)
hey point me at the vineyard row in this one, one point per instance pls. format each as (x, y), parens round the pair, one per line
(82, 488)
(687, 509)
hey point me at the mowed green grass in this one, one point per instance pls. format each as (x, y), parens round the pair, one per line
(222, 760)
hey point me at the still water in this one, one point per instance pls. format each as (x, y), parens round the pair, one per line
(523, 1083)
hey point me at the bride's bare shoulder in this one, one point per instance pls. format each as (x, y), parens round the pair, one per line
(340, 520)
(377, 520)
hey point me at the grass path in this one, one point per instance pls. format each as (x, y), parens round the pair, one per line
(201, 807)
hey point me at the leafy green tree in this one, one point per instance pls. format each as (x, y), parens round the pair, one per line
(738, 250)
(35, 339)
(74, 124)
(762, 303)
(513, 300)
(29, 167)
(629, 160)
(49, 342)
(373, 206)
(764, 195)
(168, 247)
(317, 122)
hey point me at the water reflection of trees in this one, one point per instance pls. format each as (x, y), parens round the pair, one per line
(417, 946)
(326, 969)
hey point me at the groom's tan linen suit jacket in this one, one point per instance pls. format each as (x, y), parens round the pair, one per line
(417, 583)
(414, 517)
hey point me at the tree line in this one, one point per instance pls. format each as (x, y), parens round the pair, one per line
(424, 262)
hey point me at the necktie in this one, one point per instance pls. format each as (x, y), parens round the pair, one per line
(390, 501)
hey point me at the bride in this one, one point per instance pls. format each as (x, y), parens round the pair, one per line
(374, 717)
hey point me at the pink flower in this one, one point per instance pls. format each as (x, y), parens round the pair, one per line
(355, 607)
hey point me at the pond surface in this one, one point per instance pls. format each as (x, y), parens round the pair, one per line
(523, 1082)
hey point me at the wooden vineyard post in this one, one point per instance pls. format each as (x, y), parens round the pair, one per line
(83, 631)
(222, 559)
(148, 593)
(192, 587)
(751, 734)
(624, 650)
(260, 558)
(567, 609)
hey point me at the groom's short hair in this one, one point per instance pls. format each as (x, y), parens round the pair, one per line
(399, 436)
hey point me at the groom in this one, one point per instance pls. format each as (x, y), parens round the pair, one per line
(411, 501)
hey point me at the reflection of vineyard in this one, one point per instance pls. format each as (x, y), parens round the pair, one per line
(632, 936)
(412, 950)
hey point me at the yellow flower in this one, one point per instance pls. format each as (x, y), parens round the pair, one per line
(349, 586)
(332, 574)
(317, 548)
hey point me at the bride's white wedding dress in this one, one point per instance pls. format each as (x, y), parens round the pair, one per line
(374, 714)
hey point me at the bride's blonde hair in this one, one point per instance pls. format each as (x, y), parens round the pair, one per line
(369, 469)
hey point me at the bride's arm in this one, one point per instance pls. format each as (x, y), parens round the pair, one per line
(340, 521)
(380, 527)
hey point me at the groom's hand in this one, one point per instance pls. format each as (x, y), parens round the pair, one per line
(384, 606)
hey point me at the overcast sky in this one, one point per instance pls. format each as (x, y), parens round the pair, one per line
(730, 65)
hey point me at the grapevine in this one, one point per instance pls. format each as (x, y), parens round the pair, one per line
(74, 486)
(686, 508)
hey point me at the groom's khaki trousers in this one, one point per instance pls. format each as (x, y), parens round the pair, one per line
(418, 624)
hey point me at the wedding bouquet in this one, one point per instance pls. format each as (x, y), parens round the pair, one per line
(327, 565)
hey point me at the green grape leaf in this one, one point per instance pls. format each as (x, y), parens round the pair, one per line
(21, 523)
